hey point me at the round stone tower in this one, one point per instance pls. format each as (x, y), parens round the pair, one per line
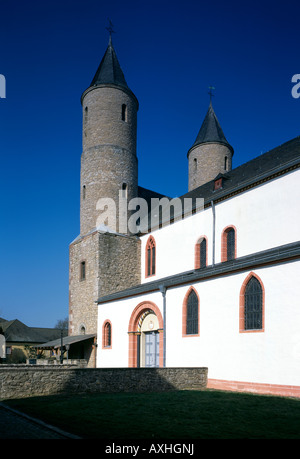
(109, 166)
(210, 154)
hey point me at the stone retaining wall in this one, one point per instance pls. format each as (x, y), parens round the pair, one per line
(20, 381)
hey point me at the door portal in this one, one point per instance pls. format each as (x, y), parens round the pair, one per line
(151, 349)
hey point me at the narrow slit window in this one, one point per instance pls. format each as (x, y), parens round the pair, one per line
(124, 112)
(83, 191)
(82, 270)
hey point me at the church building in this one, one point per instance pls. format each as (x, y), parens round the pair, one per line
(210, 279)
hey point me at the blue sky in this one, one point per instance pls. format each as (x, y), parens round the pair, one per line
(170, 52)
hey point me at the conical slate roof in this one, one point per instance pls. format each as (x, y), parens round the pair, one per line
(211, 131)
(109, 70)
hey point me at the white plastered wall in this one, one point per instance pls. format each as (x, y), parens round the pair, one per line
(266, 216)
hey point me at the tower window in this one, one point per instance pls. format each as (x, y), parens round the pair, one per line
(124, 112)
(83, 191)
(86, 114)
(124, 190)
(150, 257)
(195, 164)
(226, 163)
(82, 270)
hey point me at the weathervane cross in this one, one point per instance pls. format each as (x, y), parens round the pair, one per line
(110, 27)
(211, 88)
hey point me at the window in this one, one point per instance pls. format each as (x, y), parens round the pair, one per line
(150, 257)
(124, 190)
(124, 112)
(82, 270)
(228, 244)
(83, 191)
(226, 163)
(201, 253)
(190, 318)
(106, 335)
(252, 304)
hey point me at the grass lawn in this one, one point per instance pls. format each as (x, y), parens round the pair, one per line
(185, 415)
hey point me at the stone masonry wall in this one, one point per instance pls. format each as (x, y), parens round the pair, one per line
(112, 264)
(30, 380)
(206, 161)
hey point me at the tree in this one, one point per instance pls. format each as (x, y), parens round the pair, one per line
(62, 324)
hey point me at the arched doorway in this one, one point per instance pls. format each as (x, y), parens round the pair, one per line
(146, 336)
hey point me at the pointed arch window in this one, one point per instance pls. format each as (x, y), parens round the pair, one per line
(150, 257)
(252, 304)
(190, 317)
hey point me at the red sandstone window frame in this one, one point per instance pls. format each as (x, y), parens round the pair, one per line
(107, 335)
(224, 242)
(198, 251)
(150, 257)
(242, 305)
(184, 314)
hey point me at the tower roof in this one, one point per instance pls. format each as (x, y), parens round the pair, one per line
(109, 70)
(211, 131)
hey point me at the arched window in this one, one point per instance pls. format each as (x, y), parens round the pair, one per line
(106, 335)
(190, 316)
(252, 304)
(201, 253)
(150, 257)
(228, 244)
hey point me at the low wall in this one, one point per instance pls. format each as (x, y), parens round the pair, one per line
(20, 381)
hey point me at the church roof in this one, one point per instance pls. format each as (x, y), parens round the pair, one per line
(259, 169)
(109, 70)
(265, 167)
(211, 131)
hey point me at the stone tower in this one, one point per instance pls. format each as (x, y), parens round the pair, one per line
(109, 165)
(210, 154)
(104, 258)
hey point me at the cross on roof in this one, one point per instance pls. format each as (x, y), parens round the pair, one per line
(211, 88)
(110, 27)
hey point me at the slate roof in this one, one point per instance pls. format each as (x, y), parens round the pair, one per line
(109, 70)
(211, 131)
(16, 331)
(260, 168)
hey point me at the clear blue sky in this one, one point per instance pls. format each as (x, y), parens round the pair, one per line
(170, 52)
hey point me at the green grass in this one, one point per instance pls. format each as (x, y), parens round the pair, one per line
(185, 415)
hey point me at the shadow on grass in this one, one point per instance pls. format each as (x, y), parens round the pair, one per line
(207, 414)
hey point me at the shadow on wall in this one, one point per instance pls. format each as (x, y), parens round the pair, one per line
(18, 381)
(136, 379)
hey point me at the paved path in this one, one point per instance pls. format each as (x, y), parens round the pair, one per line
(15, 425)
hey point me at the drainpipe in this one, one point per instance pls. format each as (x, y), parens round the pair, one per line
(163, 290)
(214, 231)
